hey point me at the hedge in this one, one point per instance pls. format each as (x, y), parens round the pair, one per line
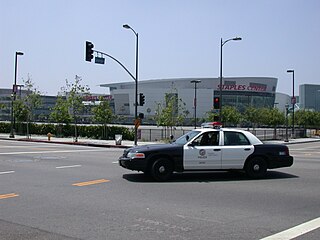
(68, 130)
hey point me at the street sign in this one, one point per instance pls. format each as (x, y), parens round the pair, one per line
(99, 60)
(137, 122)
(293, 100)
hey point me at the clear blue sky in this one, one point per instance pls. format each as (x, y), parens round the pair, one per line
(177, 38)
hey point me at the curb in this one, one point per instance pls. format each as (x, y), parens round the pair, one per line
(68, 143)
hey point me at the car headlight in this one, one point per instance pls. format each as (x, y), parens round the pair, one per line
(133, 155)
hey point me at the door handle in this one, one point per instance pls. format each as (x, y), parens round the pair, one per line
(216, 150)
(247, 149)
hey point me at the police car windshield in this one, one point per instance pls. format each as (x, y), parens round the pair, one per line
(186, 137)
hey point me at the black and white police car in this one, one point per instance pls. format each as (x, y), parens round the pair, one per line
(207, 149)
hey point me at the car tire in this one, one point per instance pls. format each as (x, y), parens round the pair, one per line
(256, 167)
(161, 170)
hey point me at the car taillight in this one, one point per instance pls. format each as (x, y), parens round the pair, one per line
(285, 152)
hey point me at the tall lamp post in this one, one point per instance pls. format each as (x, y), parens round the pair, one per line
(195, 101)
(293, 100)
(14, 93)
(286, 138)
(136, 86)
(221, 45)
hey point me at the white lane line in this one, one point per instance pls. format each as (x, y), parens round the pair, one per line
(115, 162)
(71, 166)
(6, 172)
(296, 231)
(58, 151)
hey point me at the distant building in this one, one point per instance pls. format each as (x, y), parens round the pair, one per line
(42, 113)
(240, 92)
(6, 98)
(310, 96)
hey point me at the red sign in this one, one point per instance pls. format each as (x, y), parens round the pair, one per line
(96, 98)
(236, 87)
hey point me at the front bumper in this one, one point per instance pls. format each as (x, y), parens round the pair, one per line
(133, 164)
(281, 161)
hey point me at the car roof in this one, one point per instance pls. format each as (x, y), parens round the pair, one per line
(252, 138)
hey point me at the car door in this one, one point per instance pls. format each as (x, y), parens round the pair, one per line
(204, 153)
(235, 150)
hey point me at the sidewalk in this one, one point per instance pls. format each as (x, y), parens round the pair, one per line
(124, 143)
(71, 140)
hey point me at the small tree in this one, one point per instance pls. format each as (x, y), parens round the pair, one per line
(25, 106)
(103, 114)
(273, 117)
(60, 113)
(252, 115)
(75, 93)
(172, 112)
(230, 115)
(307, 118)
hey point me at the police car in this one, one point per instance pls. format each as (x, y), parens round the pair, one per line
(207, 149)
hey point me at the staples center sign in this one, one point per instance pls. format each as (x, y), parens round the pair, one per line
(237, 87)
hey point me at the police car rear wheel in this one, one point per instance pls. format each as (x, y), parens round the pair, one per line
(161, 169)
(256, 167)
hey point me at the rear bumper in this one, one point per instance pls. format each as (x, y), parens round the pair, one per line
(133, 164)
(281, 161)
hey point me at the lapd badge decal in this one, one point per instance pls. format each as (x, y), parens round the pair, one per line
(202, 153)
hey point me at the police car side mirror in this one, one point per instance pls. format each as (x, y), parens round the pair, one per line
(191, 144)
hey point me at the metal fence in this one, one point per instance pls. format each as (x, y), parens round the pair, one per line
(152, 134)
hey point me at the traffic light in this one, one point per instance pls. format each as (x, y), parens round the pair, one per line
(216, 103)
(141, 99)
(89, 51)
(141, 115)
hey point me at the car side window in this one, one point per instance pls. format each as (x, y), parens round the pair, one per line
(235, 138)
(207, 139)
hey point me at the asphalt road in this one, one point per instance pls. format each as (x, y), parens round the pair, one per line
(50, 191)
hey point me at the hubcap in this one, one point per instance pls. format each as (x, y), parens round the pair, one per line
(162, 169)
(256, 167)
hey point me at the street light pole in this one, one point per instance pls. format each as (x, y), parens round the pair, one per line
(220, 87)
(136, 86)
(195, 101)
(286, 137)
(293, 100)
(14, 93)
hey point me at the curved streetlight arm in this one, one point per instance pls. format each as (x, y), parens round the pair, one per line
(113, 58)
(231, 39)
(128, 27)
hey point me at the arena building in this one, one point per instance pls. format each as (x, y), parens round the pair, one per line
(241, 92)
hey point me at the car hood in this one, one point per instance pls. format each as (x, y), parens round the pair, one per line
(154, 147)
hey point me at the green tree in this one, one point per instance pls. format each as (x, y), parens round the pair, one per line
(230, 115)
(307, 119)
(60, 113)
(103, 114)
(24, 107)
(172, 112)
(272, 117)
(253, 116)
(75, 92)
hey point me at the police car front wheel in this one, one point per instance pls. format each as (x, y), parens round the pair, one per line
(161, 169)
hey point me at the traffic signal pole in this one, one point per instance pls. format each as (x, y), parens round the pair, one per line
(89, 57)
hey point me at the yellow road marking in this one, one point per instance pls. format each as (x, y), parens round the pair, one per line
(81, 184)
(9, 195)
